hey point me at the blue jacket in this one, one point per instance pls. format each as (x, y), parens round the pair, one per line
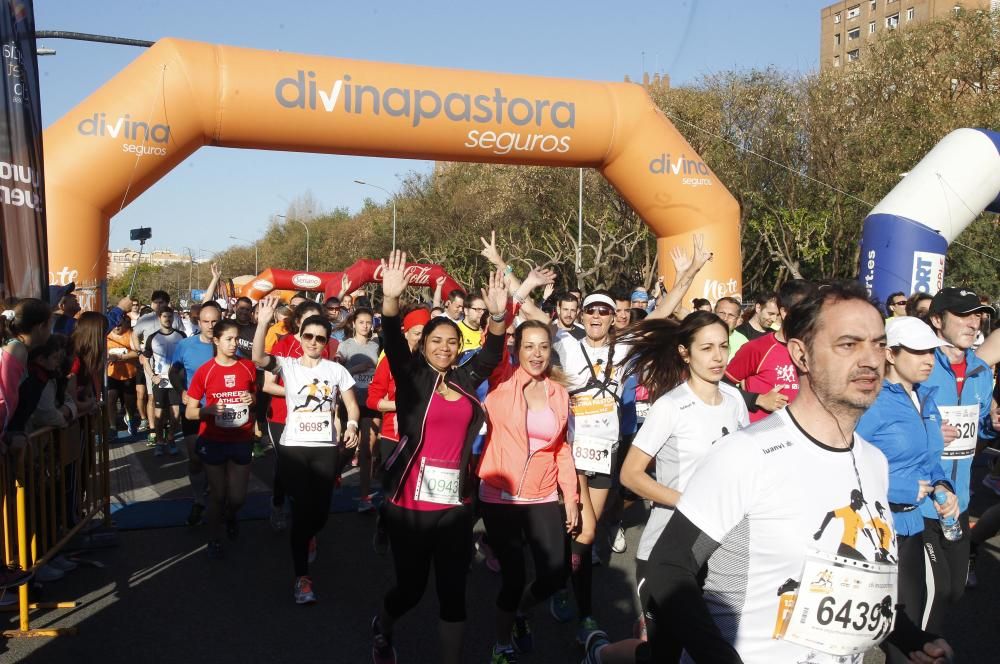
(911, 442)
(978, 389)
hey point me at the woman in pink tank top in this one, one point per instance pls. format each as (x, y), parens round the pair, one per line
(526, 463)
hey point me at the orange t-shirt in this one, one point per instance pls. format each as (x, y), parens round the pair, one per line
(121, 369)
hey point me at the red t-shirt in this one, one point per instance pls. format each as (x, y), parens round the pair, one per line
(383, 386)
(445, 428)
(217, 383)
(959, 370)
(289, 346)
(761, 365)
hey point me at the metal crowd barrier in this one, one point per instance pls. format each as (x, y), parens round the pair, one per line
(54, 487)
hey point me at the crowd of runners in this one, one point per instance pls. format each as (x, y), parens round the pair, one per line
(805, 458)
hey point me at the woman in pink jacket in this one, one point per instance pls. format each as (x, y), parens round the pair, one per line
(526, 462)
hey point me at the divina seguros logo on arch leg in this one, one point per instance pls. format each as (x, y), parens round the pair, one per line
(530, 120)
(694, 172)
(142, 138)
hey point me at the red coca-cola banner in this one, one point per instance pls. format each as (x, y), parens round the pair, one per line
(363, 272)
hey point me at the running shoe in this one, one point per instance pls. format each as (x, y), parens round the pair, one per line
(160, 450)
(594, 642)
(380, 541)
(971, 581)
(215, 550)
(279, 521)
(483, 549)
(992, 483)
(304, 590)
(312, 549)
(618, 544)
(503, 655)
(133, 427)
(382, 650)
(232, 527)
(587, 625)
(520, 634)
(194, 516)
(172, 448)
(151, 439)
(143, 425)
(11, 577)
(63, 564)
(560, 606)
(365, 505)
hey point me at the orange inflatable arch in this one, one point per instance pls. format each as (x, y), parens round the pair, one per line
(180, 95)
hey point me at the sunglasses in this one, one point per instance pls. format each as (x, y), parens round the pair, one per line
(899, 304)
(318, 338)
(333, 308)
(598, 310)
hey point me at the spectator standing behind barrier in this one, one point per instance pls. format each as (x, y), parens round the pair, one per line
(429, 514)
(89, 345)
(904, 422)
(23, 326)
(64, 318)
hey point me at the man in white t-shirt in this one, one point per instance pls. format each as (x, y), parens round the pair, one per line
(801, 562)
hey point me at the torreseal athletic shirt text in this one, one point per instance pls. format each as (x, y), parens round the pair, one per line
(771, 496)
(679, 430)
(310, 393)
(594, 412)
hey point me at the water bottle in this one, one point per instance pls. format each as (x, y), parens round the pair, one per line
(950, 526)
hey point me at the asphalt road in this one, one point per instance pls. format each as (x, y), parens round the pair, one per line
(159, 599)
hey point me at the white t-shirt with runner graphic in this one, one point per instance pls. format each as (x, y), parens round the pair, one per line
(594, 412)
(679, 430)
(311, 396)
(773, 497)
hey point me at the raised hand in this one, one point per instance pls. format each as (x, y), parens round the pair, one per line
(394, 277)
(495, 294)
(539, 276)
(266, 307)
(490, 251)
(684, 262)
(345, 284)
(439, 282)
(549, 289)
(216, 271)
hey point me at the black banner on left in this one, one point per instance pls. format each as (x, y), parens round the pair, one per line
(23, 243)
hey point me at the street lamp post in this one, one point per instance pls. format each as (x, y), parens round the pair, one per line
(256, 262)
(393, 199)
(299, 221)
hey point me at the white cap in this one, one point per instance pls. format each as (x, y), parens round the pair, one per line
(911, 333)
(598, 298)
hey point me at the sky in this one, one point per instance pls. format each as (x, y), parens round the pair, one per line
(219, 192)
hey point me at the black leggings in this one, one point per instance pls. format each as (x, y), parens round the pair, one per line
(540, 527)
(309, 474)
(274, 431)
(912, 588)
(418, 539)
(949, 562)
(987, 526)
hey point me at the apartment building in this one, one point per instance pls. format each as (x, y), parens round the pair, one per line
(119, 262)
(849, 26)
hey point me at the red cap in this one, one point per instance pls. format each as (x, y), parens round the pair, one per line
(416, 317)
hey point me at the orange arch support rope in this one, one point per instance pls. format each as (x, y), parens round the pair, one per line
(181, 95)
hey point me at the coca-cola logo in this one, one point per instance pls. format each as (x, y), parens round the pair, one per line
(307, 281)
(418, 275)
(263, 285)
